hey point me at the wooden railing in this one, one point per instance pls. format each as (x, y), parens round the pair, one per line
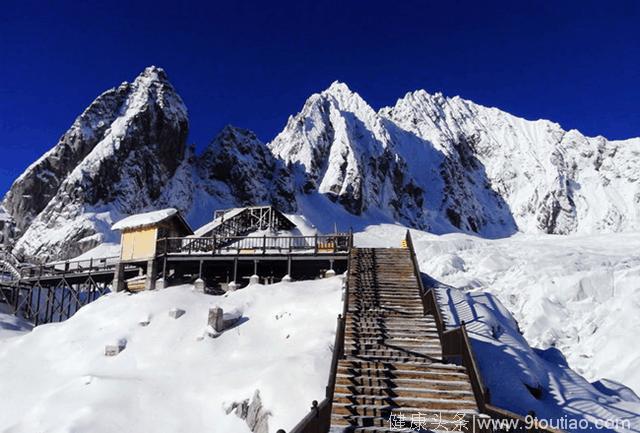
(456, 343)
(318, 420)
(339, 243)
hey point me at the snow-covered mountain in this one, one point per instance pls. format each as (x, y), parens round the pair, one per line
(445, 164)
(117, 157)
(551, 180)
(435, 163)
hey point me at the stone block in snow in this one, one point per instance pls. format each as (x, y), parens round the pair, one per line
(115, 349)
(176, 313)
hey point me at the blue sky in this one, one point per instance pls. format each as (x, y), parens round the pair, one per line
(252, 64)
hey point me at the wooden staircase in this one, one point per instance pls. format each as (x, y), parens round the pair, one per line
(392, 376)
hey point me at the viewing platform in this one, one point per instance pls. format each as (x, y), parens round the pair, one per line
(240, 246)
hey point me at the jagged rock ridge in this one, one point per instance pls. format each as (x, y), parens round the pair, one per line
(116, 159)
(435, 163)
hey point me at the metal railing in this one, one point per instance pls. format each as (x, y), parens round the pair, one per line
(319, 244)
(68, 267)
(456, 342)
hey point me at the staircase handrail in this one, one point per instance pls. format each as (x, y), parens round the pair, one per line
(456, 341)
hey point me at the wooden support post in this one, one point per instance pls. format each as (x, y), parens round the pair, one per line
(118, 277)
(287, 277)
(254, 279)
(37, 317)
(330, 272)
(16, 296)
(150, 282)
(70, 301)
(62, 301)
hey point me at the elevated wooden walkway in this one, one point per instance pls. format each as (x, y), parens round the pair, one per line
(392, 376)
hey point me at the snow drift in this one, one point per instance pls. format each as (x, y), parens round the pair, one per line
(170, 377)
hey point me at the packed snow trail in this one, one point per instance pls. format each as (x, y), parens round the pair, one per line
(393, 364)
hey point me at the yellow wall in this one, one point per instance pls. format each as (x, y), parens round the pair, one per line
(139, 243)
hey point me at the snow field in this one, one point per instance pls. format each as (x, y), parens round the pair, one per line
(170, 377)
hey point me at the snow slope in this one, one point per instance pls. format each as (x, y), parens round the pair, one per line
(511, 368)
(575, 298)
(579, 294)
(170, 378)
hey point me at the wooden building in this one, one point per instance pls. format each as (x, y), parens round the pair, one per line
(141, 232)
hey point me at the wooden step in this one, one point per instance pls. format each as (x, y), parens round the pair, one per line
(370, 424)
(419, 366)
(427, 373)
(418, 391)
(433, 408)
(402, 382)
(393, 354)
(455, 400)
(393, 341)
(381, 333)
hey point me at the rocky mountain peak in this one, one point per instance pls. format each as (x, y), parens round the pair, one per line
(117, 155)
(237, 159)
(429, 161)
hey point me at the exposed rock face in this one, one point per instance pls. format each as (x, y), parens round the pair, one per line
(435, 163)
(35, 188)
(342, 149)
(236, 157)
(544, 178)
(115, 160)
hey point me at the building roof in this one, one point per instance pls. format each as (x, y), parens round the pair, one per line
(145, 219)
(223, 215)
(230, 213)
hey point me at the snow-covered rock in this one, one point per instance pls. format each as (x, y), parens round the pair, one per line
(238, 159)
(550, 180)
(341, 148)
(430, 162)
